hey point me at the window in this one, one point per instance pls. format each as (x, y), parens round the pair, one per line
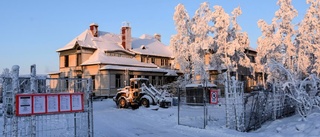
(162, 62)
(159, 80)
(153, 80)
(66, 61)
(67, 83)
(252, 60)
(153, 60)
(79, 82)
(93, 77)
(142, 59)
(166, 62)
(118, 84)
(78, 59)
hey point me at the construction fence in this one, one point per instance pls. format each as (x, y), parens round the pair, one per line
(242, 111)
(40, 106)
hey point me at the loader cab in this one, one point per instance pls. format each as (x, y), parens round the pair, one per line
(136, 83)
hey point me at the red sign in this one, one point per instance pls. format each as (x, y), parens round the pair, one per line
(46, 103)
(214, 96)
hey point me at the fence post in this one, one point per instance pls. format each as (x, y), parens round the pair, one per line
(226, 93)
(33, 79)
(15, 88)
(274, 116)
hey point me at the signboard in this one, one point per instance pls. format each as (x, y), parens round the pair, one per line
(52, 103)
(65, 103)
(39, 104)
(24, 105)
(76, 102)
(214, 96)
(31, 104)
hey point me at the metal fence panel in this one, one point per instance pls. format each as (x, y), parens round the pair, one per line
(76, 124)
(192, 108)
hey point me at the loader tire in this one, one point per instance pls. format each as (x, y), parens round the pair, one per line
(145, 102)
(122, 103)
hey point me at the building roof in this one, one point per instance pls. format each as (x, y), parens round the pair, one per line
(148, 45)
(99, 57)
(112, 42)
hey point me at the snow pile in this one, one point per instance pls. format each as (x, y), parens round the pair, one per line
(293, 126)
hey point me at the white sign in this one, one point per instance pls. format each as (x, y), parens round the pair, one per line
(39, 105)
(25, 105)
(65, 102)
(52, 103)
(76, 102)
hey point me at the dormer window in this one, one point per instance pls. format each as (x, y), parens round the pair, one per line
(66, 61)
(143, 47)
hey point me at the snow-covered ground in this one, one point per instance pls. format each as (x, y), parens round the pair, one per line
(110, 121)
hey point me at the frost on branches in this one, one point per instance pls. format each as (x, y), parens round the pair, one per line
(208, 33)
(291, 57)
(308, 41)
(305, 93)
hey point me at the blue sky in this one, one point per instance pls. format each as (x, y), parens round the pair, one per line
(32, 30)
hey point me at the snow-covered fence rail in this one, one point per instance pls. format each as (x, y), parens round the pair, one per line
(234, 105)
(28, 111)
(245, 112)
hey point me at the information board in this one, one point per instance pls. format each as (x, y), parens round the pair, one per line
(46, 103)
(24, 105)
(39, 104)
(77, 103)
(52, 103)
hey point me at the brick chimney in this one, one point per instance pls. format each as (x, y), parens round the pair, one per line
(126, 36)
(94, 29)
(157, 36)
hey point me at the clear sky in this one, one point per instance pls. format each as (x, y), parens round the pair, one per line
(32, 30)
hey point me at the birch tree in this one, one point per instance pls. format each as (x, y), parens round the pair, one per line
(308, 41)
(276, 39)
(201, 42)
(180, 42)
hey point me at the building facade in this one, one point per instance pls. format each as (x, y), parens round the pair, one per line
(112, 59)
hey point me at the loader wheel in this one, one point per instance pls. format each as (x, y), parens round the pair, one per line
(122, 103)
(145, 102)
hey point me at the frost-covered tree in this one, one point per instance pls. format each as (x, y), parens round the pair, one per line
(5, 73)
(208, 32)
(180, 42)
(239, 41)
(276, 41)
(229, 43)
(308, 41)
(221, 22)
(200, 41)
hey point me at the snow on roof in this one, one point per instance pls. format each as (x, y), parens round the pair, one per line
(201, 85)
(99, 57)
(252, 49)
(94, 24)
(171, 73)
(112, 42)
(104, 41)
(52, 73)
(151, 46)
(132, 68)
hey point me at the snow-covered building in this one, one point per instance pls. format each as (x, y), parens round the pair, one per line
(112, 59)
